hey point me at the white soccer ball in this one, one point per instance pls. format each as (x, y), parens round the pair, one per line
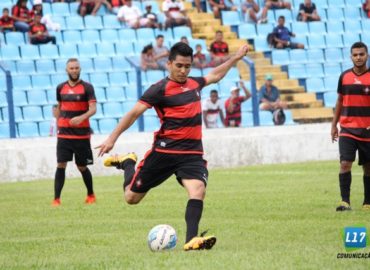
(162, 237)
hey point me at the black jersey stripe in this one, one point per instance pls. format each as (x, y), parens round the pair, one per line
(359, 132)
(74, 98)
(175, 123)
(71, 114)
(355, 89)
(356, 111)
(180, 145)
(74, 131)
(181, 99)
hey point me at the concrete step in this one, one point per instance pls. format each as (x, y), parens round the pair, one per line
(302, 97)
(312, 115)
(305, 104)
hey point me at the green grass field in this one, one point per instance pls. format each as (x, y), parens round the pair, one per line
(265, 217)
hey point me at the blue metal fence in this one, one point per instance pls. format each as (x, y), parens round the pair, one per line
(9, 97)
(255, 107)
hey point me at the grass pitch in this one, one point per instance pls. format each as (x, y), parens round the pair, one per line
(265, 217)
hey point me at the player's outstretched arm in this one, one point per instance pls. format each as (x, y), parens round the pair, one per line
(219, 72)
(334, 128)
(125, 122)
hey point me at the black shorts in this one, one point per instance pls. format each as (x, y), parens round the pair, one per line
(348, 147)
(156, 167)
(80, 148)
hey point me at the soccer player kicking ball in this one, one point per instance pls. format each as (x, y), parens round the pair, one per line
(177, 147)
(352, 111)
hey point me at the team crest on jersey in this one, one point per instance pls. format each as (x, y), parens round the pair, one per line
(70, 91)
(357, 81)
(184, 89)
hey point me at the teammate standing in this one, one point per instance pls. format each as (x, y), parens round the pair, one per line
(177, 147)
(353, 113)
(76, 104)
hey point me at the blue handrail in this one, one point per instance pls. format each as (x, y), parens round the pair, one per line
(9, 97)
(252, 71)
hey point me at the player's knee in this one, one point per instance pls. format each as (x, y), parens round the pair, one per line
(345, 166)
(81, 168)
(62, 165)
(131, 198)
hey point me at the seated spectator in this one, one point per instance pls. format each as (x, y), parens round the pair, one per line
(38, 33)
(152, 16)
(6, 22)
(251, 11)
(308, 12)
(22, 16)
(212, 108)
(53, 121)
(45, 18)
(175, 13)
(282, 36)
(366, 8)
(199, 58)
(147, 58)
(269, 96)
(184, 39)
(91, 7)
(161, 52)
(131, 15)
(233, 105)
(219, 50)
(220, 5)
(273, 4)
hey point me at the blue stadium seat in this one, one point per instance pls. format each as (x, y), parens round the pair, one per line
(47, 111)
(127, 105)
(139, 46)
(334, 27)
(151, 123)
(105, 49)
(247, 106)
(315, 85)
(127, 34)
(196, 72)
(100, 94)
(146, 34)
(247, 31)
(73, 8)
(11, 66)
(41, 81)
(315, 56)
(107, 125)
(72, 36)
(168, 36)
(264, 29)
(331, 83)
(332, 69)
(300, 28)
(111, 22)
(300, 39)
(22, 82)
(266, 118)
(155, 7)
(347, 64)
(28, 129)
(3, 101)
(354, 3)
(271, 16)
(365, 25)
(333, 55)
(45, 66)
(353, 26)
(280, 57)
(117, 79)
(20, 98)
(131, 76)
(57, 79)
(332, 4)
(29, 51)
(60, 65)
(32, 113)
(330, 99)
(17, 114)
(131, 92)
(297, 71)
(93, 22)
(37, 97)
(335, 14)
(87, 65)
(49, 51)
(102, 64)
(113, 109)
(99, 111)
(352, 13)
(44, 128)
(46, 8)
(349, 38)
(260, 44)
(14, 38)
(288, 117)
(316, 41)
(61, 21)
(180, 31)
(124, 49)
(298, 56)
(109, 35)
(94, 126)
(75, 23)
(26, 67)
(10, 52)
(286, 13)
(87, 50)
(314, 70)
(51, 95)
(60, 9)
(99, 79)
(90, 36)
(115, 94)
(232, 75)
(153, 76)
(365, 37)
(4, 130)
(68, 50)
(334, 41)
(247, 119)
(317, 28)
(229, 18)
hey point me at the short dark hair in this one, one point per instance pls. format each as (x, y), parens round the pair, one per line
(358, 45)
(147, 48)
(214, 91)
(281, 17)
(159, 36)
(5, 9)
(72, 60)
(180, 48)
(219, 32)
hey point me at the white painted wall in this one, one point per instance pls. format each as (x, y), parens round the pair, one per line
(28, 159)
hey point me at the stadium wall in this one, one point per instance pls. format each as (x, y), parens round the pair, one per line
(29, 159)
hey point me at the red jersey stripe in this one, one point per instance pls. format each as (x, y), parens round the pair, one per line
(355, 137)
(184, 111)
(74, 106)
(178, 151)
(184, 133)
(64, 122)
(354, 121)
(74, 136)
(356, 100)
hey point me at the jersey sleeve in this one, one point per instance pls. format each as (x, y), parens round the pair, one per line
(339, 89)
(152, 95)
(90, 93)
(201, 81)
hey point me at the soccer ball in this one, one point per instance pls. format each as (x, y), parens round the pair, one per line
(162, 237)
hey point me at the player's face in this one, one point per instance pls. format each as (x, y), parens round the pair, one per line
(359, 57)
(73, 71)
(179, 68)
(214, 97)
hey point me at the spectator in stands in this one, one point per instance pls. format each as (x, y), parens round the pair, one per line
(152, 16)
(308, 12)
(282, 36)
(175, 13)
(22, 16)
(6, 21)
(53, 122)
(147, 58)
(199, 58)
(184, 39)
(251, 11)
(91, 7)
(212, 108)
(38, 33)
(273, 4)
(46, 18)
(233, 105)
(161, 52)
(132, 16)
(366, 8)
(221, 5)
(219, 50)
(116, 5)
(269, 96)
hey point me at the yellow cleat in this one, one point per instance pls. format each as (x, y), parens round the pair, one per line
(343, 206)
(116, 160)
(366, 207)
(200, 242)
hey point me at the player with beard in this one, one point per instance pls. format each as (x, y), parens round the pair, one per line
(76, 104)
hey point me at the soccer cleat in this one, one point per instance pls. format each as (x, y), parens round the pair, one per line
(117, 160)
(200, 242)
(56, 202)
(90, 199)
(343, 206)
(366, 207)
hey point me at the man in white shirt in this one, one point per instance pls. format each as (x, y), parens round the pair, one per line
(212, 107)
(175, 13)
(132, 16)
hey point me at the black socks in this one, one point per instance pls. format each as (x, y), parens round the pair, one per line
(60, 176)
(345, 180)
(193, 214)
(366, 189)
(87, 177)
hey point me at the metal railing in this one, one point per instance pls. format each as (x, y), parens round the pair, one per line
(9, 97)
(255, 105)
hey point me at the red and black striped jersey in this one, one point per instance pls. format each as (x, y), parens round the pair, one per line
(178, 106)
(219, 48)
(74, 101)
(236, 114)
(355, 115)
(37, 28)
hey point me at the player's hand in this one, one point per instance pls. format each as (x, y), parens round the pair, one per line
(105, 147)
(75, 121)
(243, 50)
(334, 133)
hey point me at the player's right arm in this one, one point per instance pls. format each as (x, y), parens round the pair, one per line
(125, 122)
(338, 110)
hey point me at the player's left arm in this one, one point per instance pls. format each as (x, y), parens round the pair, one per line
(219, 72)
